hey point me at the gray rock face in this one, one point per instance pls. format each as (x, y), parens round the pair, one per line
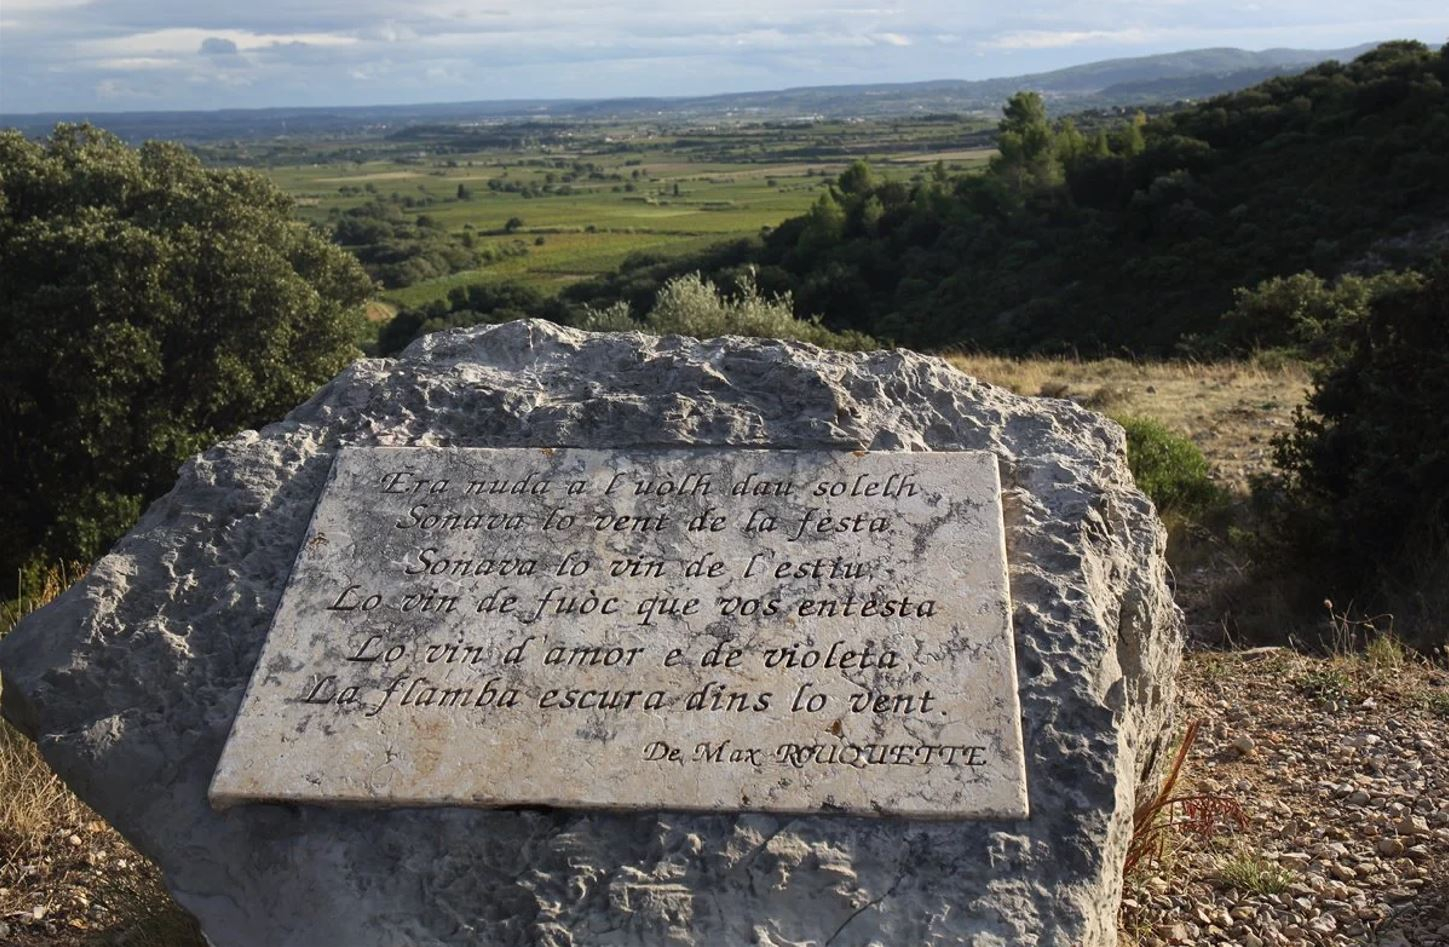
(131, 680)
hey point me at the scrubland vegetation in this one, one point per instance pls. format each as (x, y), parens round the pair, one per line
(152, 307)
(1133, 236)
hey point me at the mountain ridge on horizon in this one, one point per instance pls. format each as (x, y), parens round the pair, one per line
(1157, 78)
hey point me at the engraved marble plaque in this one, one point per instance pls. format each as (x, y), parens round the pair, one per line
(710, 629)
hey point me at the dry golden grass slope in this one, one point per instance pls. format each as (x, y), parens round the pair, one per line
(1231, 410)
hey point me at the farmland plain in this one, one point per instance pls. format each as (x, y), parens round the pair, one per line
(562, 202)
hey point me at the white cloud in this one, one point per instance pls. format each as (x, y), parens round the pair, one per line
(189, 39)
(1057, 39)
(892, 39)
(389, 31)
(112, 90)
(134, 63)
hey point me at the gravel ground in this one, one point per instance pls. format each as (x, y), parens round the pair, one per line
(1342, 769)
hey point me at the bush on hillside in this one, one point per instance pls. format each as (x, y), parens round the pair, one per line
(685, 305)
(152, 306)
(1169, 468)
(1304, 313)
(692, 305)
(1367, 463)
(398, 247)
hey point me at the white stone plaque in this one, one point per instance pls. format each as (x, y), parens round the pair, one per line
(708, 629)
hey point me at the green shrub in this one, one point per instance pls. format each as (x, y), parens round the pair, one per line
(151, 307)
(1255, 874)
(684, 305)
(1304, 313)
(692, 305)
(1366, 504)
(1169, 468)
(612, 318)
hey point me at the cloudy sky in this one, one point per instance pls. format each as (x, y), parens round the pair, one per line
(104, 55)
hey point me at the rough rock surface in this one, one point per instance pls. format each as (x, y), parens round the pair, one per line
(130, 680)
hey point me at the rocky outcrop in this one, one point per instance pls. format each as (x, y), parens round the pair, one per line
(130, 681)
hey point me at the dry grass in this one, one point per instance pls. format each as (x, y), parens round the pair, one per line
(66, 878)
(1251, 872)
(1172, 814)
(1231, 410)
(379, 311)
(1382, 668)
(33, 802)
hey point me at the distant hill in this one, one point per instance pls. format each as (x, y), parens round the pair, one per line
(1111, 83)
(1204, 65)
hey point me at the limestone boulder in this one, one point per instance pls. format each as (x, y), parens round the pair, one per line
(130, 681)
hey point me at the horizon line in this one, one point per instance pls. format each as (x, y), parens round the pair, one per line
(669, 98)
